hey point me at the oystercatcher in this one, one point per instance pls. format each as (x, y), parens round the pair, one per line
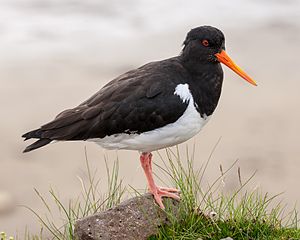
(155, 106)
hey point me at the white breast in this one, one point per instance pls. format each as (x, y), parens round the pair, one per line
(188, 125)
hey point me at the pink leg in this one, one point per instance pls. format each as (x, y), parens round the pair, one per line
(172, 190)
(157, 192)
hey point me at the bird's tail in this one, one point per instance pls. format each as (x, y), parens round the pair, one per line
(39, 143)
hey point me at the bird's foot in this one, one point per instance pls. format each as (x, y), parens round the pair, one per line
(159, 192)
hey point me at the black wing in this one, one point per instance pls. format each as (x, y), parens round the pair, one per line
(137, 101)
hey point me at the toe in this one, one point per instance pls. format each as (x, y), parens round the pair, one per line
(168, 194)
(172, 190)
(158, 200)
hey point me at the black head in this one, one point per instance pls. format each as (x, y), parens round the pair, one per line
(206, 45)
(202, 43)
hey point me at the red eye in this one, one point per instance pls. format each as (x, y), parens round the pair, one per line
(205, 43)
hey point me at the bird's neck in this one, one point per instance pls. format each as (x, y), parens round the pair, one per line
(194, 65)
(205, 81)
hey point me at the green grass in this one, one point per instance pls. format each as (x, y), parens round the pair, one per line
(3, 236)
(88, 203)
(204, 211)
(209, 214)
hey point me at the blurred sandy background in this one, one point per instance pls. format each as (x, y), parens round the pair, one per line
(56, 53)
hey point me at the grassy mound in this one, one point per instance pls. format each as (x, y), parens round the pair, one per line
(204, 214)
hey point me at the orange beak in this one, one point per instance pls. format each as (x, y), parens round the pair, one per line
(224, 58)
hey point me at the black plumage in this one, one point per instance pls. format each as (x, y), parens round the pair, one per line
(143, 99)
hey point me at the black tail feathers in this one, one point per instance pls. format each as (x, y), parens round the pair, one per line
(39, 143)
(32, 134)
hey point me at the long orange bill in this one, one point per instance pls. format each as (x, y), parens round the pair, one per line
(224, 58)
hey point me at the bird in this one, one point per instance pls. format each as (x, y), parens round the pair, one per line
(158, 105)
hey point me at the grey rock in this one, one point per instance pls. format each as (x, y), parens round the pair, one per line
(137, 218)
(228, 238)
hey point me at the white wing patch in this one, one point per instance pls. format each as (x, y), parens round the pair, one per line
(182, 90)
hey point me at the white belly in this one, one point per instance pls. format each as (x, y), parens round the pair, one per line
(187, 126)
